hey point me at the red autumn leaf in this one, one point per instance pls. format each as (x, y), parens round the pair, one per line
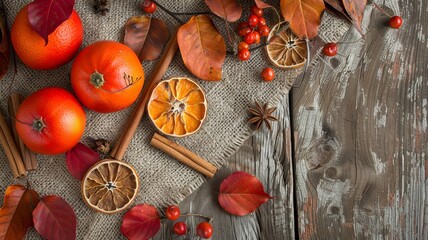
(79, 159)
(46, 15)
(261, 4)
(202, 48)
(241, 193)
(229, 10)
(338, 6)
(141, 222)
(54, 219)
(4, 47)
(355, 9)
(146, 36)
(304, 16)
(16, 213)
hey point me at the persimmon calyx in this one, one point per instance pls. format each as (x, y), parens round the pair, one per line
(38, 125)
(97, 79)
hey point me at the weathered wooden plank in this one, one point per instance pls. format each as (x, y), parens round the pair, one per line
(268, 156)
(361, 126)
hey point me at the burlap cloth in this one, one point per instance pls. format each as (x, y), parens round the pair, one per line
(163, 179)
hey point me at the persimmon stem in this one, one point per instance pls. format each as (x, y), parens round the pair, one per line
(173, 15)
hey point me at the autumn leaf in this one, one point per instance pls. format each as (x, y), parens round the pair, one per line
(54, 219)
(79, 159)
(355, 9)
(4, 47)
(229, 10)
(16, 213)
(202, 48)
(46, 15)
(304, 16)
(261, 4)
(146, 36)
(337, 5)
(141, 222)
(241, 193)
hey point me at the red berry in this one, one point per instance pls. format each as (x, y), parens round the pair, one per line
(395, 22)
(330, 49)
(242, 25)
(172, 212)
(262, 21)
(253, 20)
(180, 228)
(263, 30)
(244, 54)
(243, 45)
(204, 230)
(244, 31)
(256, 11)
(256, 37)
(268, 74)
(148, 6)
(250, 38)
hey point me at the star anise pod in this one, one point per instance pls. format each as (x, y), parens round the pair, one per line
(101, 7)
(102, 146)
(262, 114)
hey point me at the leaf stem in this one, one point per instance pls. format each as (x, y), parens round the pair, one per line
(173, 15)
(381, 10)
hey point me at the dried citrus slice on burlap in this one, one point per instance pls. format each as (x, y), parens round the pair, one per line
(286, 50)
(110, 186)
(177, 107)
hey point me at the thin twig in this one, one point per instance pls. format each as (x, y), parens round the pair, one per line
(169, 12)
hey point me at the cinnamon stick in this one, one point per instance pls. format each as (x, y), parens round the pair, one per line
(183, 155)
(11, 150)
(186, 152)
(28, 157)
(119, 149)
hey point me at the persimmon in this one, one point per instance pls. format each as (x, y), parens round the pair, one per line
(50, 121)
(31, 48)
(107, 76)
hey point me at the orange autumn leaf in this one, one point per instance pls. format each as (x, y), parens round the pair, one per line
(202, 48)
(146, 36)
(229, 10)
(355, 9)
(304, 16)
(4, 48)
(16, 213)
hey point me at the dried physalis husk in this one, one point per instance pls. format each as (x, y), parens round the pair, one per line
(285, 49)
(110, 186)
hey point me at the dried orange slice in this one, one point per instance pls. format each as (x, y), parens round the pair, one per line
(177, 107)
(110, 186)
(286, 50)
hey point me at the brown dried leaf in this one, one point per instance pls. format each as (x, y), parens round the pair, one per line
(304, 16)
(355, 9)
(229, 10)
(16, 213)
(202, 48)
(4, 46)
(338, 6)
(146, 36)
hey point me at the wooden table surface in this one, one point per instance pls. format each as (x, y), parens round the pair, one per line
(347, 158)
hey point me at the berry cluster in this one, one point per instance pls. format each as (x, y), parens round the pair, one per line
(252, 30)
(203, 230)
(148, 6)
(330, 49)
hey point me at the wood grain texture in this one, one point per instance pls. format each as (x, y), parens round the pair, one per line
(360, 122)
(267, 155)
